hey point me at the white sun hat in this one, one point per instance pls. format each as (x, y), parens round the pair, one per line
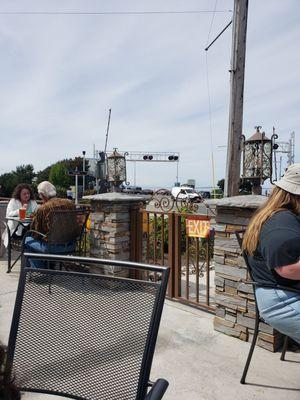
(290, 181)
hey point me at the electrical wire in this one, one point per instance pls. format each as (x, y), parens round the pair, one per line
(111, 12)
(212, 21)
(209, 103)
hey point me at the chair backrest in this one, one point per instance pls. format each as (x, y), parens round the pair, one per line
(65, 225)
(86, 335)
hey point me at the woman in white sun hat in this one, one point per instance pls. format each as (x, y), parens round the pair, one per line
(272, 246)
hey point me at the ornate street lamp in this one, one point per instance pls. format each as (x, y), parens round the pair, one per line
(116, 170)
(258, 158)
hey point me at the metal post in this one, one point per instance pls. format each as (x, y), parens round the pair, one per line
(76, 189)
(134, 173)
(239, 31)
(280, 166)
(83, 169)
(177, 171)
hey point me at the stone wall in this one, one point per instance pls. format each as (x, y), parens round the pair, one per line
(110, 227)
(110, 231)
(235, 312)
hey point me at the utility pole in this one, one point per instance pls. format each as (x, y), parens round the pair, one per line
(83, 170)
(237, 71)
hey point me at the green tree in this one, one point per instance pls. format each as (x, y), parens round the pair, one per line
(8, 182)
(22, 174)
(77, 162)
(59, 175)
(221, 184)
(43, 175)
(70, 164)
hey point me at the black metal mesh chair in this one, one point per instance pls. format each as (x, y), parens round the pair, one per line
(65, 226)
(86, 335)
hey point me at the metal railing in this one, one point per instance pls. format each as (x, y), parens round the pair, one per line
(160, 238)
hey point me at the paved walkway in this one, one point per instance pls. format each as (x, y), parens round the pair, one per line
(199, 363)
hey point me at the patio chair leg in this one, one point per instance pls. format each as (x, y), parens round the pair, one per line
(284, 348)
(11, 265)
(255, 334)
(8, 258)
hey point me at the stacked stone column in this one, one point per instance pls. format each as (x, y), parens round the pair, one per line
(110, 225)
(235, 310)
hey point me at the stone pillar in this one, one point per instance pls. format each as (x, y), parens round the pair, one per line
(235, 305)
(110, 225)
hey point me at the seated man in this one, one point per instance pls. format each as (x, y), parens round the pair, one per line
(41, 223)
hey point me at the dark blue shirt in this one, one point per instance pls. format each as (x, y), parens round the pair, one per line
(279, 245)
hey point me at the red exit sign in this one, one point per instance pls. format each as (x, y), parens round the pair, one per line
(198, 226)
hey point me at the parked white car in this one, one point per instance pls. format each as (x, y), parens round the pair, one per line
(185, 192)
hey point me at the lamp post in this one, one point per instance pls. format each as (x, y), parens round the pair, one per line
(83, 170)
(76, 173)
(258, 158)
(116, 170)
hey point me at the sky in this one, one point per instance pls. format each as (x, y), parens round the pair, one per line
(60, 74)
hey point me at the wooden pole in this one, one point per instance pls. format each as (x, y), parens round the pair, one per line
(239, 31)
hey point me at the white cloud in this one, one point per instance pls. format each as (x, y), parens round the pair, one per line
(59, 76)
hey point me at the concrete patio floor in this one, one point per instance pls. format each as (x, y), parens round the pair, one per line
(198, 362)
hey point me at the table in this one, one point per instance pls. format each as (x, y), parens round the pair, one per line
(24, 223)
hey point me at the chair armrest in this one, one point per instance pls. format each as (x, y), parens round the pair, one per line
(158, 390)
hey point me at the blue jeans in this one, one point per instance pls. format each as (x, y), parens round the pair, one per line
(281, 309)
(33, 245)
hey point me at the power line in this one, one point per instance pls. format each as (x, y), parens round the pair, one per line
(110, 12)
(212, 21)
(209, 99)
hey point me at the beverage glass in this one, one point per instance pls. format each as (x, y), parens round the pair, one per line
(22, 213)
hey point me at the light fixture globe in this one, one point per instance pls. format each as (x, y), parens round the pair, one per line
(258, 157)
(116, 169)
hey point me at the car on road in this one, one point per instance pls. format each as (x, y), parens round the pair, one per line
(186, 193)
(147, 191)
(205, 194)
(132, 189)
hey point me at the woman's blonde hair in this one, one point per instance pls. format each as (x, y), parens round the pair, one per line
(278, 201)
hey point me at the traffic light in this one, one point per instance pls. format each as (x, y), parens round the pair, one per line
(147, 157)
